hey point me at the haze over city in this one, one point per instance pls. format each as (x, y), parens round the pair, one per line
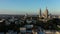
(29, 6)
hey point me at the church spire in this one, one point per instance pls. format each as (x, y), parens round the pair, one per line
(46, 12)
(46, 9)
(40, 13)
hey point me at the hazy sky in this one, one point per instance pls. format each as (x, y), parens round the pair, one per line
(29, 6)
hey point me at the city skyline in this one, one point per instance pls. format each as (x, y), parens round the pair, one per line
(29, 6)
